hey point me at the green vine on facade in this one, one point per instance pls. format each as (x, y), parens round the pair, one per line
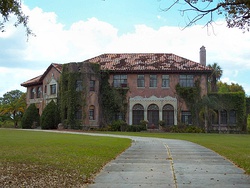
(248, 105)
(71, 98)
(113, 100)
(233, 101)
(192, 97)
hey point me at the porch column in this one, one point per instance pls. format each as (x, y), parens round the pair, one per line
(175, 116)
(160, 114)
(145, 114)
(130, 117)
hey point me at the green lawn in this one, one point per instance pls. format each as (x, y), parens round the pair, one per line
(72, 158)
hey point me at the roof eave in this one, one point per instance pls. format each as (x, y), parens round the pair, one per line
(159, 71)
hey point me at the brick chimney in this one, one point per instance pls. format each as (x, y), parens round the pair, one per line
(203, 55)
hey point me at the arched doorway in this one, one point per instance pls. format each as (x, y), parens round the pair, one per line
(137, 114)
(223, 117)
(168, 114)
(153, 116)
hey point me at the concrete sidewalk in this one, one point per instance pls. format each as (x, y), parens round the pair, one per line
(152, 162)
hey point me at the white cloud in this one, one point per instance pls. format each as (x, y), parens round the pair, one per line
(89, 38)
(11, 78)
(85, 39)
(227, 80)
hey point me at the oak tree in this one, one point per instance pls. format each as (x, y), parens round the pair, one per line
(236, 12)
(13, 7)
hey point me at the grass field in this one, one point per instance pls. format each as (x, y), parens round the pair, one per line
(53, 159)
(68, 160)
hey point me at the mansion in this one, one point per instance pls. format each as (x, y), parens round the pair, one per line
(149, 80)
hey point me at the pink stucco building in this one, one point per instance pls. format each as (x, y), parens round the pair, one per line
(150, 78)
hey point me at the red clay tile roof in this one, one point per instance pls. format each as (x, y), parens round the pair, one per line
(147, 62)
(57, 67)
(33, 81)
(39, 79)
(135, 62)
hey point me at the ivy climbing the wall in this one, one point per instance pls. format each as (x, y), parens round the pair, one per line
(72, 96)
(113, 101)
(192, 97)
(233, 101)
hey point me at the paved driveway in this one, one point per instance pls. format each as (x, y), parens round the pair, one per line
(153, 162)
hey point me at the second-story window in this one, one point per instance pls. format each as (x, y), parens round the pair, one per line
(187, 80)
(32, 93)
(79, 85)
(153, 81)
(53, 89)
(120, 81)
(165, 81)
(39, 92)
(92, 85)
(140, 81)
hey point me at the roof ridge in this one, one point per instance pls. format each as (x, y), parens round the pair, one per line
(147, 61)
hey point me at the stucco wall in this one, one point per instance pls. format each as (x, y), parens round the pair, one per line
(157, 95)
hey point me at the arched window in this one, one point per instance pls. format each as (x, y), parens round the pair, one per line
(232, 117)
(153, 115)
(223, 117)
(168, 114)
(215, 117)
(92, 113)
(137, 114)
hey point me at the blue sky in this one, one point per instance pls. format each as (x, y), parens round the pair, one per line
(68, 31)
(122, 14)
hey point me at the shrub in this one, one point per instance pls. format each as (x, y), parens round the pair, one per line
(136, 128)
(161, 123)
(185, 129)
(31, 117)
(118, 125)
(176, 129)
(50, 116)
(248, 123)
(144, 123)
(193, 129)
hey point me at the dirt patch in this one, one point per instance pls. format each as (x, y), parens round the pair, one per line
(26, 175)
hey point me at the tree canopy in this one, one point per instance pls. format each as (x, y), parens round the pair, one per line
(236, 12)
(224, 87)
(13, 7)
(31, 117)
(50, 116)
(12, 105)
(215, 76)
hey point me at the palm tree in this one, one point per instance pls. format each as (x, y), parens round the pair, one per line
(13, 107)
(207, 112)
(215, 76)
